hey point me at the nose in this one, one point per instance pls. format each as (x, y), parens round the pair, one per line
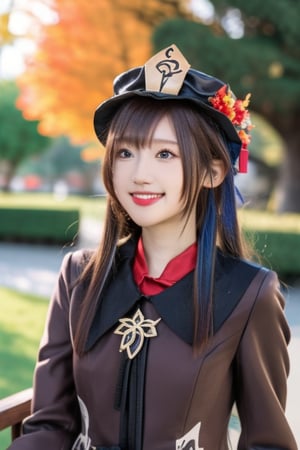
(142, 168)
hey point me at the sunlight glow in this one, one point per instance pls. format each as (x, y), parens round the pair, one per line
(25, 18)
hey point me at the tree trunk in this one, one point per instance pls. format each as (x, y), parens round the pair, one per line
(288, 188)
(7, 170)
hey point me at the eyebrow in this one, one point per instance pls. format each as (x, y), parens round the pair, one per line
(167, 141)
(155, 140)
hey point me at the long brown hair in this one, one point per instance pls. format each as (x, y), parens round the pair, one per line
(200, 141)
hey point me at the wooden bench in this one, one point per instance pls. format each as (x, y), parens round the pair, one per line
(13, 410)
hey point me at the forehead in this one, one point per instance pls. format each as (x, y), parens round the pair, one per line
(162, 130)
(143, 127)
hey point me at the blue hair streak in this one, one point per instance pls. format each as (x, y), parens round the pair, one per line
(205, 269)
(224, 220)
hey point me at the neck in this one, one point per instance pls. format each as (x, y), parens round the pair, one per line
(161, 246)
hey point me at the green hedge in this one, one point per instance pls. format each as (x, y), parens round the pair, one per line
(275, 238)
(278, 251)
(39, 225)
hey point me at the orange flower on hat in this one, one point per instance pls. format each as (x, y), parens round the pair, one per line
(236, 110)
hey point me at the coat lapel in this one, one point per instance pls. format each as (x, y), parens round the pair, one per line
(116, 300)
(174, 304)
(232, 278)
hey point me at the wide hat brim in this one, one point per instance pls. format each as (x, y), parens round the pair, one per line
(197, 88)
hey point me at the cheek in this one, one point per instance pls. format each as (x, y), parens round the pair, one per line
(175, 179)
(119, 183)
(116, 184)
(116, 175)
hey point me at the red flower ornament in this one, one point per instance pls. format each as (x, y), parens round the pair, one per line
(236, 110)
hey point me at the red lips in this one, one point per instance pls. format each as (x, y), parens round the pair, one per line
(145, 198)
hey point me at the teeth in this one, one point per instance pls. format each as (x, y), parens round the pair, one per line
(147, 196)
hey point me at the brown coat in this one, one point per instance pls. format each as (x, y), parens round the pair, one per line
(185, 401)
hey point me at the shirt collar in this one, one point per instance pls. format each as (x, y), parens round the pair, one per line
(176, 269)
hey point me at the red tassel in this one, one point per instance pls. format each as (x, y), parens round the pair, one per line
(243, 161)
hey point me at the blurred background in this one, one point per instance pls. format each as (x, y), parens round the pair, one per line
(57, 62)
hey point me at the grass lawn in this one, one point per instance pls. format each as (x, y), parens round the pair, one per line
(21, 324)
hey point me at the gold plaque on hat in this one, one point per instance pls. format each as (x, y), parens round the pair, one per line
(166, 71)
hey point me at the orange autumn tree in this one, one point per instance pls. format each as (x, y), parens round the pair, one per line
(78, 56)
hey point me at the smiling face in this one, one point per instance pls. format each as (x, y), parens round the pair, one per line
(159, 157)
(148, 179)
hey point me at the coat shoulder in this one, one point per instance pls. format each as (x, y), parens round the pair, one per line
(74, 263)
(82, 256)
(235, 277)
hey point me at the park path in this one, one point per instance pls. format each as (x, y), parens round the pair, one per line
(34, 269)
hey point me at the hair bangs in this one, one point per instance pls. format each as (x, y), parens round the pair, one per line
(135, 123)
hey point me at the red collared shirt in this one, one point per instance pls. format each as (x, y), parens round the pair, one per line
(176, 269)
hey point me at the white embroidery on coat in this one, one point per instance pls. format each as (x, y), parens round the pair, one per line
(83, 442)
(190, 441)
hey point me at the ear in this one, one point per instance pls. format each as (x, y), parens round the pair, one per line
(216, 175)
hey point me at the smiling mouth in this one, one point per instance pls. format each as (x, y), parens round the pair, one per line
(147, 196)
(146, 199)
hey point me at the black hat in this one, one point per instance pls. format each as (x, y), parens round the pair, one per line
(167, 76)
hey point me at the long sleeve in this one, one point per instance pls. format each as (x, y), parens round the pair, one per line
(262, 367)
(55, 419)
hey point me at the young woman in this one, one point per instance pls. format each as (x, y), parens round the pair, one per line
(152, 339)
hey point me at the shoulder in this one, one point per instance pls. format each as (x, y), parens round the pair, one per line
(266, 302)
(81, 257)
(265, 285)
(269, 301)
(242, 272)
(228, 264)
(74, 263)
(241, 281)
(266, 324)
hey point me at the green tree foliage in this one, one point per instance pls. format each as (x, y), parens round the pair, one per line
(263, 60)
(18, 138)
